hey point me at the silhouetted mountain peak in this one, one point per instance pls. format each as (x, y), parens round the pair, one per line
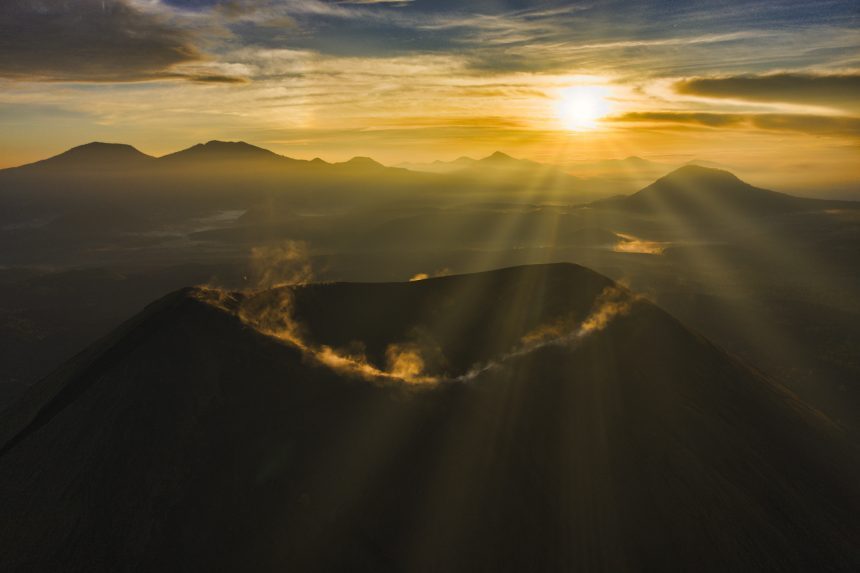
(96, 155)
(360, 161)
(638, 161)
(234, 146)
(692, 180)
(499, 157)
(440, 165)
(100, 148)
(223, 150)
(702, 174)
(704, 193)
(462, 160)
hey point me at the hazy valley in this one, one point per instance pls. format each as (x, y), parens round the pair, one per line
(336, 394)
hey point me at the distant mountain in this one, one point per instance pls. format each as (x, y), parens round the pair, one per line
(500, 160)
(362, 163)
(714, 194)
(609, 168)
(631, 166)
(485, 166)
(188, 440)
(222, 175)
(581, 181)
(440, 166)
(230, 152)
(95, 156)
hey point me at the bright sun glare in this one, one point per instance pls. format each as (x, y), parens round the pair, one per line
(579, 108)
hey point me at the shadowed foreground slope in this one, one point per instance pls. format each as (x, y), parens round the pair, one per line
(187, 440)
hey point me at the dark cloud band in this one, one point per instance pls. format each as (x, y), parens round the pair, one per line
(844, 126)
(838, 91)
(88, 40)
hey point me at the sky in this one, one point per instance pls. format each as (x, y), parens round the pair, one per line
(763, 87)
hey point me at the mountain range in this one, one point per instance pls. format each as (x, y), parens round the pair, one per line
(497, 172)
(232, 175)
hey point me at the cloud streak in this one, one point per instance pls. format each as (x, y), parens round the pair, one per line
(837, 126)
(838, 91)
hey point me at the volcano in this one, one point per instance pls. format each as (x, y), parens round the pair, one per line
(711, 194)
(192, 438)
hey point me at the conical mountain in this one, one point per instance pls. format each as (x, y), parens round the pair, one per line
(190, 440)
(716, 194)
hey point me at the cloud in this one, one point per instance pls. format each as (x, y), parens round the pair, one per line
(697, 118)
(93, 41)
(213, 79)
(812, 124)
(229, 9)
(845, 126)
(834, 90)
(371, 2)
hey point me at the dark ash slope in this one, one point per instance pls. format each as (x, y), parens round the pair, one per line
(189, 441)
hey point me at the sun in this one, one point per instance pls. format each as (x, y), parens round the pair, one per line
(580, 108)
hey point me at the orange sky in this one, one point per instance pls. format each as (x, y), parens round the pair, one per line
(761, 87)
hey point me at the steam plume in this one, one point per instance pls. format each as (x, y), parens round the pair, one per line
(279, 269)
(612, 302)
(287, 264)
(631, 244)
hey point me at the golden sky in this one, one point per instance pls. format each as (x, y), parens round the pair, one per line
(761, 87)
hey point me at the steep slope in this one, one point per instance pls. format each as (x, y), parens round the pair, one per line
(188, 440)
